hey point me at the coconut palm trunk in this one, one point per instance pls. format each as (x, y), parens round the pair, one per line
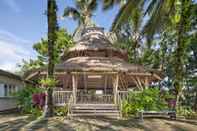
(52, 28)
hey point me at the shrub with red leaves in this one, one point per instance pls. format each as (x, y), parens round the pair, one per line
(172, 103)
(38, 100)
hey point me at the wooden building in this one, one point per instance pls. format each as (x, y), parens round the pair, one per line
(94, 72)
(9, 84)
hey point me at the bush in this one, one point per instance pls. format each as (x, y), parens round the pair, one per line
(38, 100)
(24, 99)
(148, 99)
(61, 111)
(187, 112)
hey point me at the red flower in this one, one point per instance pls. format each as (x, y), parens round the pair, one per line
(38, 99)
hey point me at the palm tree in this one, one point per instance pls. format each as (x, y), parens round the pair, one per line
(52, 28)
(174, 13)
(82, 13)
(161, 13)
(131, 13)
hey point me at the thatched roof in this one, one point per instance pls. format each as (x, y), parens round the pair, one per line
(94, 39)
(95, 53)
(93, 42)
(104, 64)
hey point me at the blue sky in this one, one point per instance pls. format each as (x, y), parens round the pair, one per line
(23, 23)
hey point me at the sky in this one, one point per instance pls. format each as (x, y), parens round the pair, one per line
(23, 23)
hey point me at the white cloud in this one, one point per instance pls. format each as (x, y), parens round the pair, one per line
(12, 50)
(13, 5)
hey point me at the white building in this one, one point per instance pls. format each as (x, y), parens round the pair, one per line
(9, 84)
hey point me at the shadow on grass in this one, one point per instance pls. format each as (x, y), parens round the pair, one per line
(113, 124)
(51, 124)
(90, 124)
(14, 124)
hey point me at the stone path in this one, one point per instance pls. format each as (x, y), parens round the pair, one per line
(17, 122)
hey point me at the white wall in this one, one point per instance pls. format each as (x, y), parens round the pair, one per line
(1, 90)
(8, 102)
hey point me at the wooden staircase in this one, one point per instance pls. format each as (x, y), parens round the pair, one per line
(105, 110)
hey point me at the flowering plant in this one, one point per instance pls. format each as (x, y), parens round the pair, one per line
(38, 100)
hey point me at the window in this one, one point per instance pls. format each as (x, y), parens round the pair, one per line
(5, 90)
(9, 89)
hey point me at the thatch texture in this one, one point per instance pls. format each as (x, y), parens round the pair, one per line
(104, 64)
(94, 40)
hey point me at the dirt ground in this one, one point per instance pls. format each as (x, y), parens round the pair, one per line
(15, 122)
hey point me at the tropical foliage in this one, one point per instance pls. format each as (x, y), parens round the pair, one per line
(63, 42)
(149, 99)
(25, 100)
(159, 34)
(166, 30)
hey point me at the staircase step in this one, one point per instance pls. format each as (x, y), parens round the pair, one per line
(95, 114)
(95, 111)
(94, 106)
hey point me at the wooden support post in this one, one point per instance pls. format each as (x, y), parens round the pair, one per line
(105, 84)
(74, 88)
(85, 82)
(116, 88)
(146, 83)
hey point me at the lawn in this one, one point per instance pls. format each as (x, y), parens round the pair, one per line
(17, 122)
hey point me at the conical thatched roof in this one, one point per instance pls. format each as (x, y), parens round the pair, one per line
(104, 64)
(94, 39)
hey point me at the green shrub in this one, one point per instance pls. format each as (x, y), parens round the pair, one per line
(61, 111)
(36, 112)
(24, 99)
(148, 99)
(187, 112)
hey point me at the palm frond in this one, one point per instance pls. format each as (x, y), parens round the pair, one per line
(92, 5)
(107, 4)
(159, 17)
(72, 12)
(151, 6)
(125, 13)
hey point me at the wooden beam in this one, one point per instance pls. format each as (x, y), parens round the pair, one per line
(156, 76)
(140, 74)
(139, 82)
(135, 81)
(94, 73)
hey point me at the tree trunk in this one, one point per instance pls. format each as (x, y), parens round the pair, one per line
(180, 52)
(195, 101)
(52, 28)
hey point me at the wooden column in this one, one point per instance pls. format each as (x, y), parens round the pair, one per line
(105, 84)
(74, 85)
(85, 82)
(146, 83)
(116, 80)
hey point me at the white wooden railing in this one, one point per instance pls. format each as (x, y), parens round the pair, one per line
(60, 98)
(95, 99)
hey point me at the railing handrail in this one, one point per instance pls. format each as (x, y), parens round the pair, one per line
(63, 91)
(123, 91)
